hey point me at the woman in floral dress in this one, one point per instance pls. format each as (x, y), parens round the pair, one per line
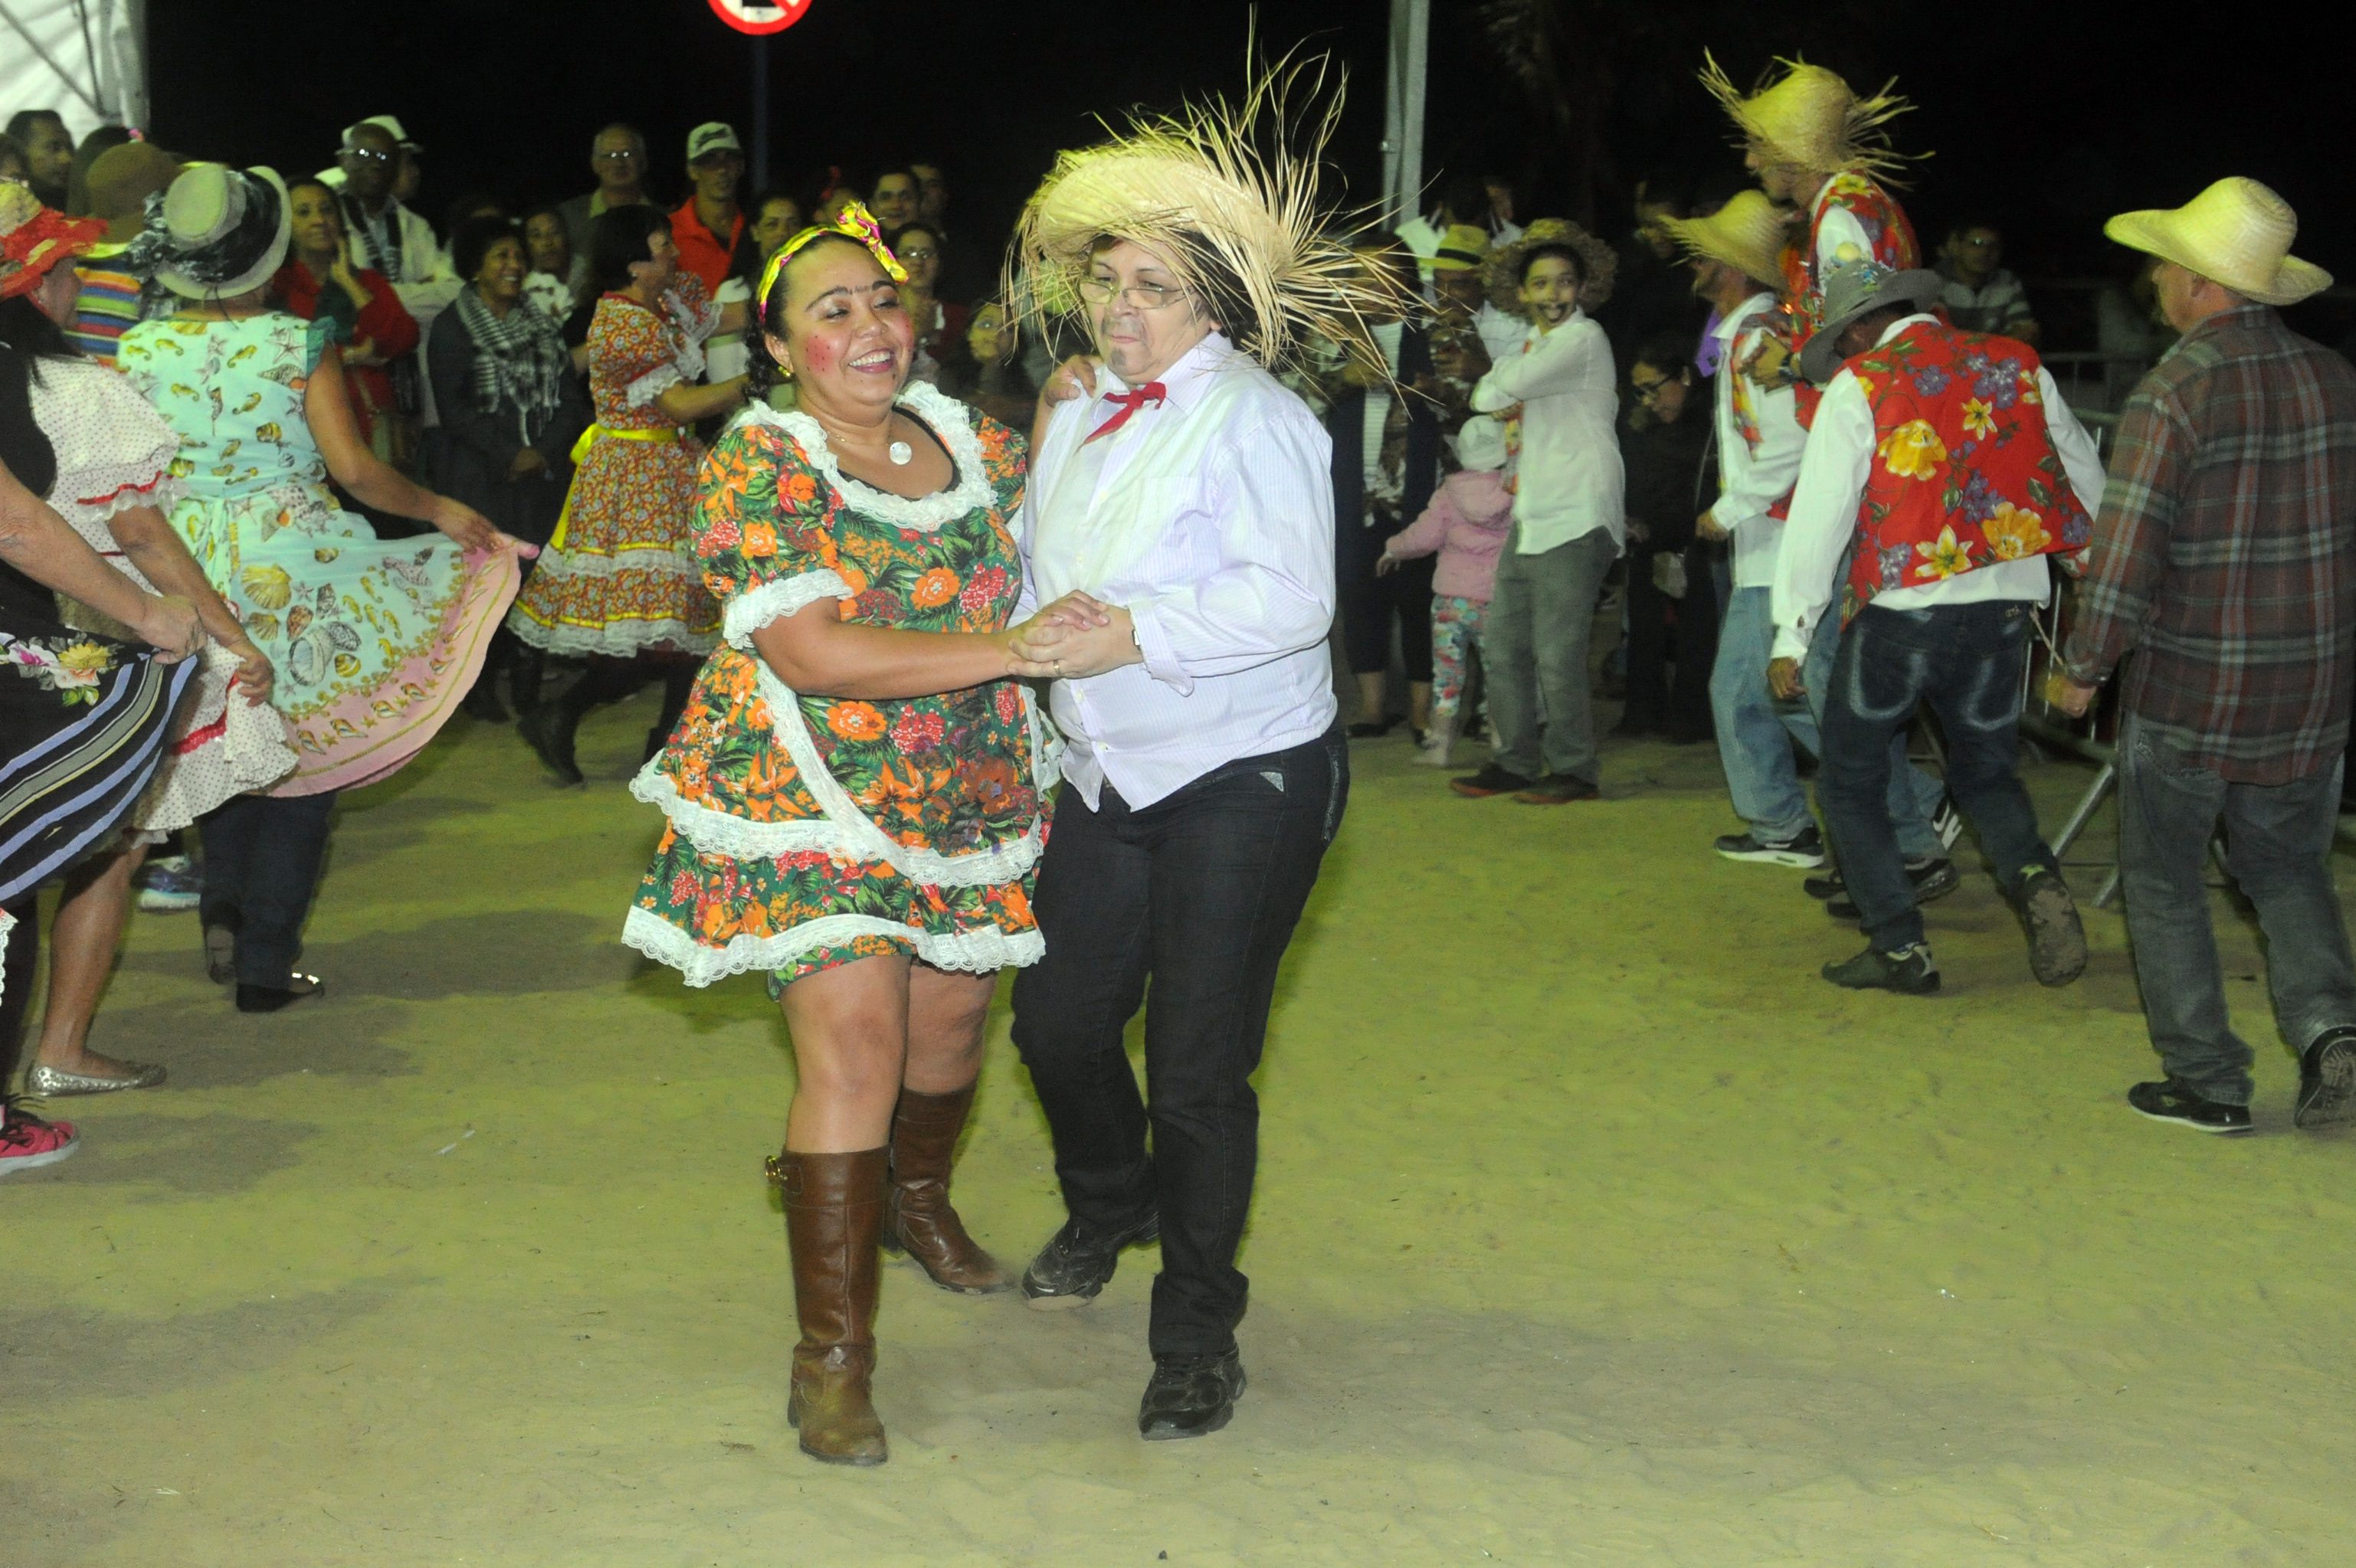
(617, 584)
(374, 641)
(856, 790)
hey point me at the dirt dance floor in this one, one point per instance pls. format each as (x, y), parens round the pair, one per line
(1592, 1228)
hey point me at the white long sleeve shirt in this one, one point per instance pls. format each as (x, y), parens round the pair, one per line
(1209, 516)
(1832, 487)
(1570, 479)
(1760, 443)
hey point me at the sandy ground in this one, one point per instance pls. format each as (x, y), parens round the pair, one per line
(1592, 1228)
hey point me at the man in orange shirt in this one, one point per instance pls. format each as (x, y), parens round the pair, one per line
(708, 224)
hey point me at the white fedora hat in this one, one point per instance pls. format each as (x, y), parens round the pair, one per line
(2237, 233)
(225, 230)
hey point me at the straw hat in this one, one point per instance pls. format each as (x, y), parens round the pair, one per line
(1811, 119)
(1748, 234)
(34, 239)
(1858, 290)
(1463, 247)
(1227, 199)
(218, 232)
(1598, 261)
(2237, 233)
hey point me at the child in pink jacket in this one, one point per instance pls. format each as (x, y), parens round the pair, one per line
(1467, 523)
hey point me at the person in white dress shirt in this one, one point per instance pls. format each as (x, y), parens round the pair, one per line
(1569, 520)
(1177, 485)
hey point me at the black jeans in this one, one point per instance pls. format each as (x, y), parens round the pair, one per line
(2278, 848)
(263, 855)
(1199, 891)
(1965, 661)
(17, 960)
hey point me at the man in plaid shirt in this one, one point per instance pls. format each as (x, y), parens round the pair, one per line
(2224, 559)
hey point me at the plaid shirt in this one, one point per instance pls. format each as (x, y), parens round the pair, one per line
(2225, 553)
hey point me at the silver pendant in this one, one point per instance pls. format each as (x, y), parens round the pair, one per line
(900, 451)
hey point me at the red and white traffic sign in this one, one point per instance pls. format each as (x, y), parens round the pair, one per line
(759, 17)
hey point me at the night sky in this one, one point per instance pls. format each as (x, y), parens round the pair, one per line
(2047, 116)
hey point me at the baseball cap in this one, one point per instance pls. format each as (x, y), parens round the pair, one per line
(708, 138)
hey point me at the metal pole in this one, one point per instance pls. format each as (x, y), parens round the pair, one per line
(760, 111)
(1403, 109)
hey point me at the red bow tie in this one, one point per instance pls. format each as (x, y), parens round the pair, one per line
(1152, 393)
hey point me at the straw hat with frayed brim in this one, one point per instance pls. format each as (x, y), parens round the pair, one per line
(223, 231)
(1856, 291)
(2237, 233)
(1227, 195)
(1749, 233)
(1463, 248)
(1810, 118)
(1598, 262)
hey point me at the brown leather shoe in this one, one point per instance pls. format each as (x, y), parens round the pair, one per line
(918, 1218)
(834, 1215)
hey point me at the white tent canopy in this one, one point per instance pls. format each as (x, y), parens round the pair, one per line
(85, 59)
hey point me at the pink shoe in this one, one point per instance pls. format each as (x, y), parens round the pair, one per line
(27, 1143)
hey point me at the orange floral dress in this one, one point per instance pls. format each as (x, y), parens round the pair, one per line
(810, 831)
(618, 578)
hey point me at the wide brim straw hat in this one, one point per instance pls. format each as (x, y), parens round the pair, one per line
(1809, 117)
(2237, 232)
(220, 231)
(35, 238)
(1227, 195)
(1749, 233)
(1600, 263)
(1857, 290)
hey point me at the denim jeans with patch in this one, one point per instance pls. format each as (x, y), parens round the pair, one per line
(1964, 662)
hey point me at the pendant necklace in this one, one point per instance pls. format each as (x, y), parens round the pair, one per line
(900, 451)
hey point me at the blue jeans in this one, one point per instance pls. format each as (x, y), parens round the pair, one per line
(1913, 794)
(2279, 841)
(1755, 732)
(1964, 662)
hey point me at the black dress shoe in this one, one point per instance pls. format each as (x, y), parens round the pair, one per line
(546, 731)
(1190, 1396)
(270, 998)
(1370, 729)
(1076, 1264)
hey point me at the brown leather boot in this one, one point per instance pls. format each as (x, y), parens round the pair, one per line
(834, 1215)
(918, 1219)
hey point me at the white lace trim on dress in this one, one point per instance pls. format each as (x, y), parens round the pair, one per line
(619, 639)
(774, 600)
(948, 418)
(562, 561)
(979, 952)
(652, 384)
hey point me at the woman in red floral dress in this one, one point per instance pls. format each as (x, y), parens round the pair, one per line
(615, 584)
(856, 789)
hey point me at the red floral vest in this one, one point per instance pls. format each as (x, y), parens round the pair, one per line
(1964, 471)
(1886, 229)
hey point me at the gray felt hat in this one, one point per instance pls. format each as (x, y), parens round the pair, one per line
(1857, 290)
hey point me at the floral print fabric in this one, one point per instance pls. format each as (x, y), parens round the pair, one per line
(618, 578)
(1965, 473)
(806, 830)
(374, 641)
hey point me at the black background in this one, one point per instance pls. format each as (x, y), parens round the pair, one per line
(2046, 117)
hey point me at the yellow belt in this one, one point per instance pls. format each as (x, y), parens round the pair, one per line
(581, 450)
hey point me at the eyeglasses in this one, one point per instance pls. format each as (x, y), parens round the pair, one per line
(1136, 296)
(921, 253)
(1648, 390)
(620, 156)
(369, 155)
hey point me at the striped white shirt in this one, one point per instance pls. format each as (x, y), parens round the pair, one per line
(1209, 516)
